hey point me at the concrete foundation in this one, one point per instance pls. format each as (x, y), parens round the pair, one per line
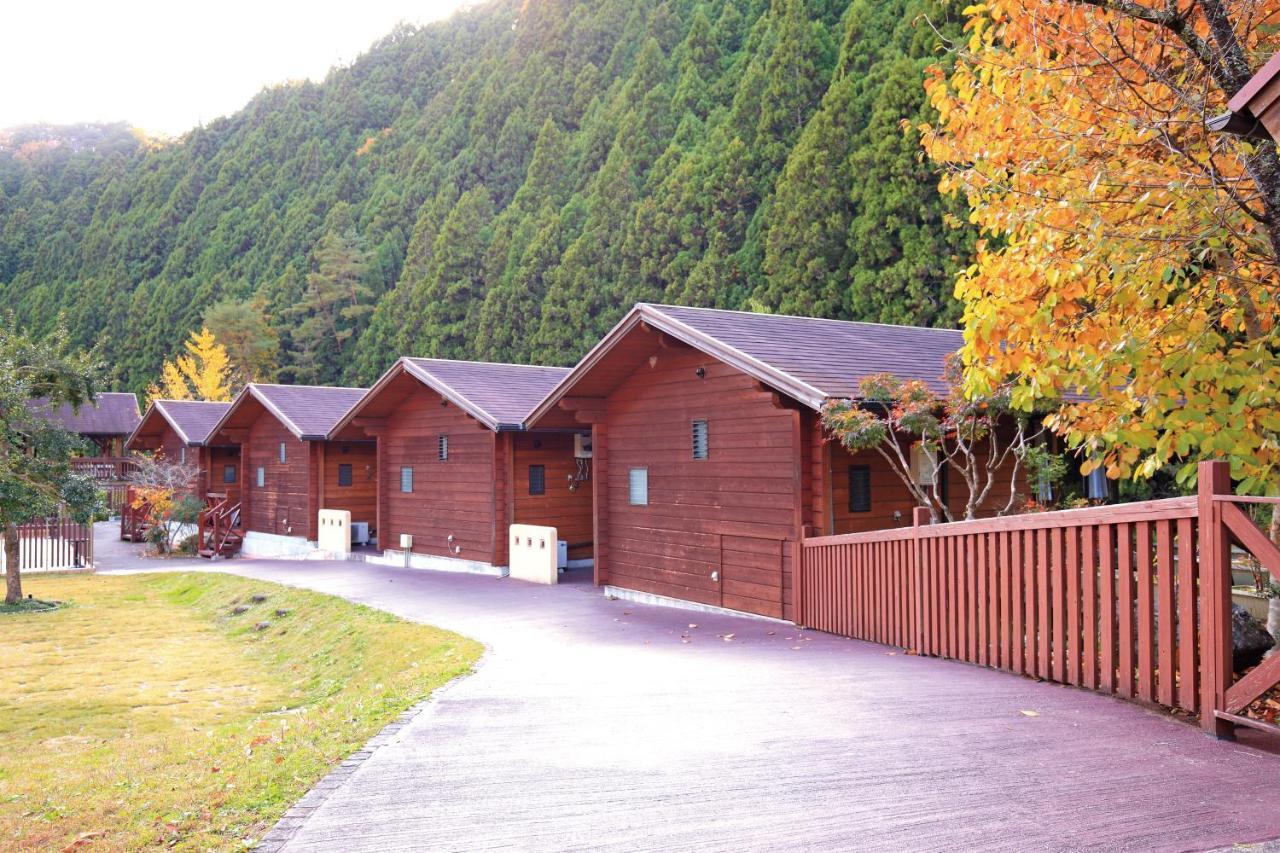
(623, 594)
(393, 557)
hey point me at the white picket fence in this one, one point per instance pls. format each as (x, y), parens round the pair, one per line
(55, 545)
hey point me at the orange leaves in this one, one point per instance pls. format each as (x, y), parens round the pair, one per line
(1123, 258)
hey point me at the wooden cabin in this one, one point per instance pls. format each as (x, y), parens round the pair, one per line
(105, 423)
(456, 466)
(179, 431)
(711, 461)
(289, 468)
(1254, 111)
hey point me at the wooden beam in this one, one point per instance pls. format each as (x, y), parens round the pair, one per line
(1253, 540)
(1215, 598)
(574, 404)
(1260, 679)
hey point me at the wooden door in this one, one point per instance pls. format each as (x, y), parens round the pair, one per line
(751, 575)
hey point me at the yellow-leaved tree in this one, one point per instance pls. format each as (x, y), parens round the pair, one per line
(201, 374)
(1129, 254)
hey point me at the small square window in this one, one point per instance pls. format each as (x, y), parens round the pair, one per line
(859, 488)
(442, 448)
(282, 454)
(228, 473)
(537, 479)
(638, 486)
(262, 476)
(344, 475)
(406, 479)
(700, 447)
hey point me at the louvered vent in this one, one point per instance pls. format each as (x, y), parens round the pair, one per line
(700, 448)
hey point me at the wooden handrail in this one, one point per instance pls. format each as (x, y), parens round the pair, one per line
(1130, 599)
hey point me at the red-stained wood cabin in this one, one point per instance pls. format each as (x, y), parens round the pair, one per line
(456, 466)
(711, 462)
(105, 422)
(179, 431)
(289, 468)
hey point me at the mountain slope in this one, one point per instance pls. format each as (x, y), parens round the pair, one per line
(504, 184)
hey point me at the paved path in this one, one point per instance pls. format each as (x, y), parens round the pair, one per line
(594, 725)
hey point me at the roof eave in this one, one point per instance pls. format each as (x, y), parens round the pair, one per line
(651, 315)
(446, 391)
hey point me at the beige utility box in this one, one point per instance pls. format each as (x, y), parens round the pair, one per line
(335, 532)
(533, 553)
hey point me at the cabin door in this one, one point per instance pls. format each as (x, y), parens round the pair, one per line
(751, 575)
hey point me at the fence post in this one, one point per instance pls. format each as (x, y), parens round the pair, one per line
(1215, 598)
(920, 517)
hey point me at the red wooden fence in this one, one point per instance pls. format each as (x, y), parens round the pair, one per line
(1131, 600)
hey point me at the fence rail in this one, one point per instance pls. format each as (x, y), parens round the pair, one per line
(111, 473)
(53, 545)
(1130, 600)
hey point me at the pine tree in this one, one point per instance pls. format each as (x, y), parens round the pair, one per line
(335, 303)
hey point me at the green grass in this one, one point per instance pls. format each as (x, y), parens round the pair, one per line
(149, 714)
(29, 605)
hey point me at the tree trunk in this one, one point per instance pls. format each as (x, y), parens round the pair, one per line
(12, 575)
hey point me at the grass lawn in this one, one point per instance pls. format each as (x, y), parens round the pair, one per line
(150, 713)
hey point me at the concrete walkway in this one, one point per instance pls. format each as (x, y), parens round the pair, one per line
(596, 725)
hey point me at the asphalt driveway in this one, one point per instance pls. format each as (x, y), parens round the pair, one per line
(594, 724)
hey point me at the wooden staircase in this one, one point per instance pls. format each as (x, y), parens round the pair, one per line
(135, 522)
(220, 530)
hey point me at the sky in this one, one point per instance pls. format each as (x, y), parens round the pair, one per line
(168, 66)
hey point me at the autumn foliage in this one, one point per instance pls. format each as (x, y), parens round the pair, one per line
(1129, 254)
(201, 374)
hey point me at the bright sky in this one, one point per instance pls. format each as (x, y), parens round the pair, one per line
(168, 66)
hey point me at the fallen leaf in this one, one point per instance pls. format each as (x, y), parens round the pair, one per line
(1027, 713)
(693, 624)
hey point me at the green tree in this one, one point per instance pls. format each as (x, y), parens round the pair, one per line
(333, 306)
(36, 480)
(253, 346)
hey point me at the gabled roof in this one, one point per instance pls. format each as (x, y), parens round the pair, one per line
(500, 396)
(307, 411)
(809, 359)
(192, 420)
(110, 413)
(1251, 111)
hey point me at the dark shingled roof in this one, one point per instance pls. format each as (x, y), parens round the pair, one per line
(830, 356)
(111, 413)
(192, 419)
(809, 359)
(309, 411)
(498, 395)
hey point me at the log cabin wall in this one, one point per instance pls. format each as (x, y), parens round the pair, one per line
(172, 449)
(455, 497)
(889, 494)
(567, 511)
(283, 504)
(216, 460)
(359, 496)
(721, 530)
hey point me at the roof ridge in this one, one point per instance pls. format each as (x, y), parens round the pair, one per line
(486, 363)
(661, 305)
(321, 387)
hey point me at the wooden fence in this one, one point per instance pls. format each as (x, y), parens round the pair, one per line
(1132, 600)
(53, 545)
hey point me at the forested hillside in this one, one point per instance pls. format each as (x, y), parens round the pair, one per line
(503, 185)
